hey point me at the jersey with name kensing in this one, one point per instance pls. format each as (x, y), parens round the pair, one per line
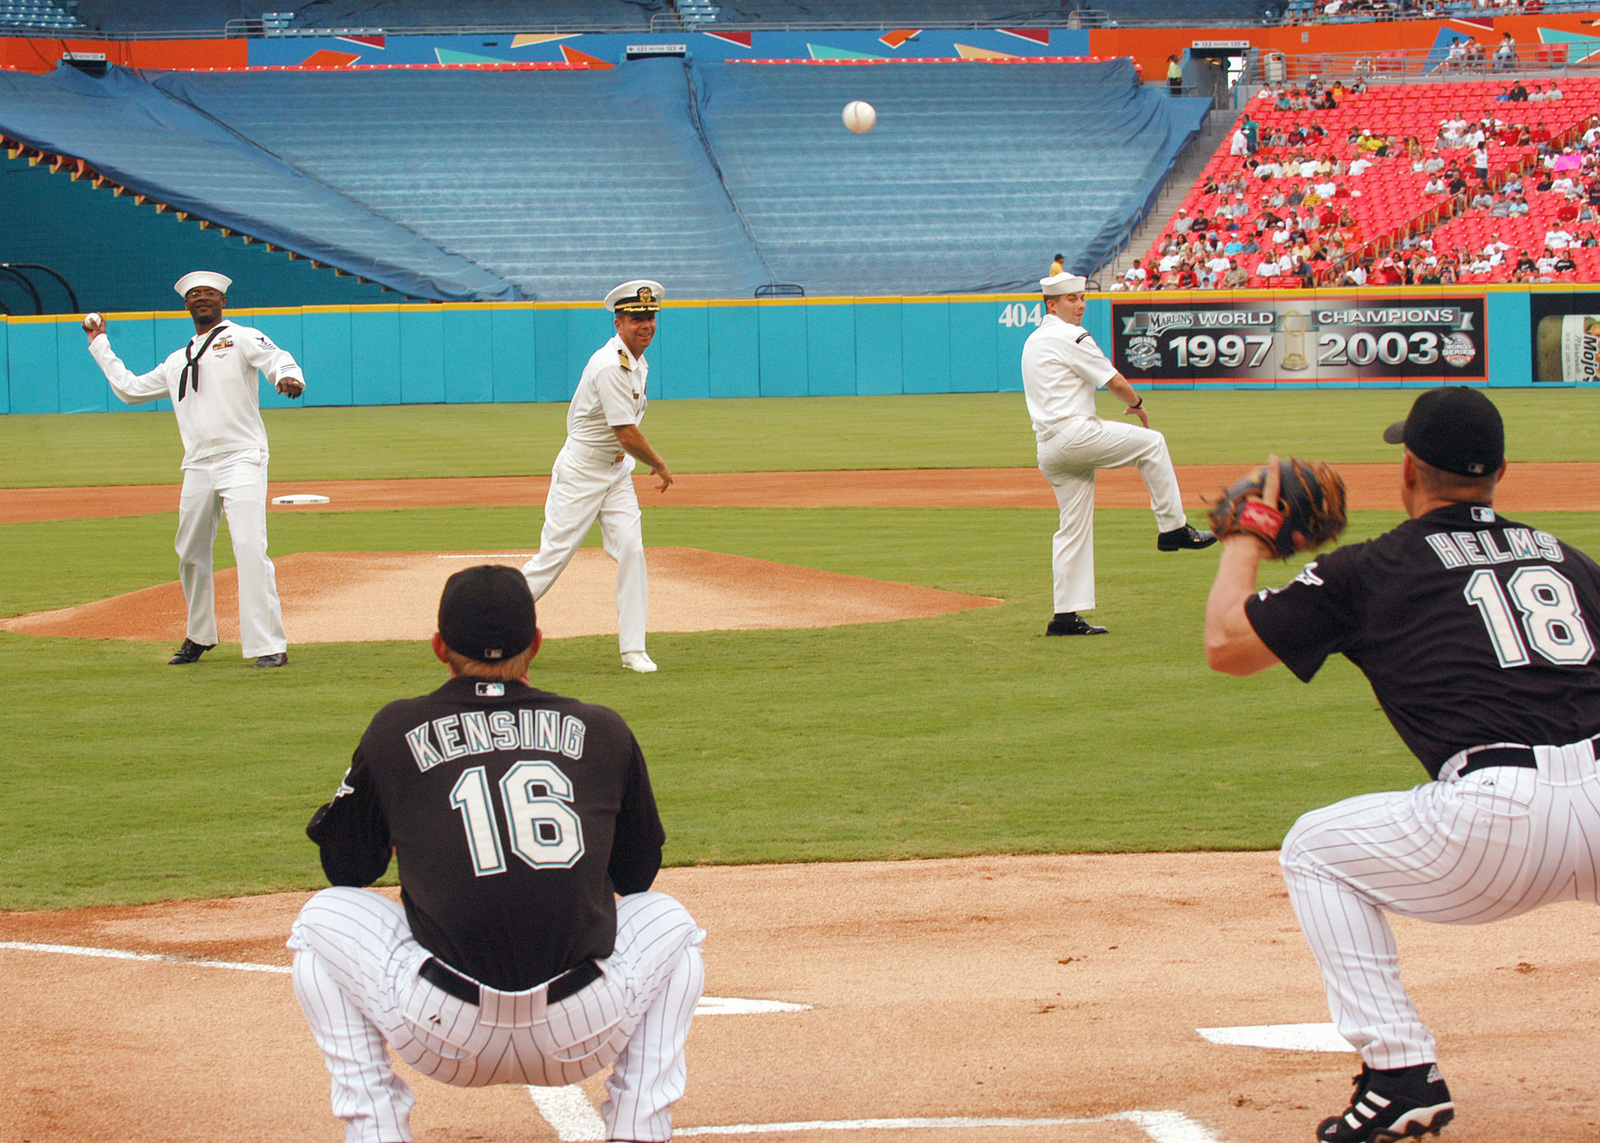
(1472, 629)
(513, 813)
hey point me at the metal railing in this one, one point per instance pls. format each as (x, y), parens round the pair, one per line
(15, 270)
(1416, 66)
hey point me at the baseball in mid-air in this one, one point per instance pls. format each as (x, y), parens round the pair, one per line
(91, 320)
(859, 116)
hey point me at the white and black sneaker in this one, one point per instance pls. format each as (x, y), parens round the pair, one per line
(1391, 1104)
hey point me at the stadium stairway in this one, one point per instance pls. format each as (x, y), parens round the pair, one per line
(1190, 165)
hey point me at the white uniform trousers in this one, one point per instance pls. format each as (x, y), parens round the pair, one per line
(1460, 851)
(235, 484)
(1068, 459)
(355, 975)
(585, 484)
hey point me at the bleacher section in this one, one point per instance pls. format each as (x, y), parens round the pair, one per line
(126, 131)
(972, 174)
(459, 185)
(199, 15)
(563, 182)
(1389, 199)
(37, 15)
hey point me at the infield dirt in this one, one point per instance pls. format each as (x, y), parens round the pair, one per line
(1550, 487)
(1034, 987)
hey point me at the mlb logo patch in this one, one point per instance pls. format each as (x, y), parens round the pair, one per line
(491, 690)
(1483, 515)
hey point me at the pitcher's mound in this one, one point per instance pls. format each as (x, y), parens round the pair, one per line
(353, 597)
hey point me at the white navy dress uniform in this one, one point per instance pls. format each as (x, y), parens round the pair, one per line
(1061, 369)
(592, 477)
(212, 382)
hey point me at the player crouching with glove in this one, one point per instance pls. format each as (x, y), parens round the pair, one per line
(1478, 637)
(514, 814)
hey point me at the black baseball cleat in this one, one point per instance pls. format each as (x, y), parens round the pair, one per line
(1187, 536)
(1071, 623)
(280, 659)
(1391, 1104)
(190, 652)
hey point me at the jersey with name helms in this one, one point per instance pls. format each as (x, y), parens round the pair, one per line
(513, 814)
(1472, 629)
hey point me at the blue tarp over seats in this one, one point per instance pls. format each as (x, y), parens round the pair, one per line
(562, 182)
(713, 178)
(974, 176)
(127, 130)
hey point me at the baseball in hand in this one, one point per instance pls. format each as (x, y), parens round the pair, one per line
(93, 321)
(859, 116)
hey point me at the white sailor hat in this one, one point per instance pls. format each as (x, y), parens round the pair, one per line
(640, 296)
(1063, 284)
(219, 282)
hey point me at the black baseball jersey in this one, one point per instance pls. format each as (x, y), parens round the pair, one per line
(514, 814)
(1472, 629)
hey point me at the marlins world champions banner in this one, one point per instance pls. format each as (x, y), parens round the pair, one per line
(1300, 339)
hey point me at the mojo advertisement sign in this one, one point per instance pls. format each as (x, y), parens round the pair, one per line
(1566, 337)
(1303, 339)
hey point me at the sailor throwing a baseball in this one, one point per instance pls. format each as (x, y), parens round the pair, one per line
(212, 382)
(593, 474)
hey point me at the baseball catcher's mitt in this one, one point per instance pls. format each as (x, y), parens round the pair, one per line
(1310, 504)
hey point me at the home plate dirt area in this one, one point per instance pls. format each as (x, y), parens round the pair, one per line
(1059, 999)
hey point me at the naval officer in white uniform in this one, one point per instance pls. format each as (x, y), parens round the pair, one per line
(212, 382)
(593, 474)
(1061, 369)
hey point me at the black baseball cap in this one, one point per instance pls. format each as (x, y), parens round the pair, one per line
(1456, 429)
(486, 613)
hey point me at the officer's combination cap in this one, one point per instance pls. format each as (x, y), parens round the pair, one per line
(1454, 428)
(640, 296)
(1063, 284)
(486, 613)
(218, 282)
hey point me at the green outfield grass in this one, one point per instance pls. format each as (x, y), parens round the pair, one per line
(969, 430)
(123, 780)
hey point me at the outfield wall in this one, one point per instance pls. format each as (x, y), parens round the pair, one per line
(534, 351)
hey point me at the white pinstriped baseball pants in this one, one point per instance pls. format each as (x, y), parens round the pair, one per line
(1460, 851)
(355, 975)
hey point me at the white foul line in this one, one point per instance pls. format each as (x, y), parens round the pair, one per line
(569, 1111)
(1160, 1126)
(708, 1006)
(122, 954)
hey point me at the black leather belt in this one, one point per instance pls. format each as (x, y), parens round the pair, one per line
(446, 979)
(1518, 756)
(1521, 757)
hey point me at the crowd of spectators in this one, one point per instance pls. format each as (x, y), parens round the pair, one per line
(1302, 196)
(1324, 11)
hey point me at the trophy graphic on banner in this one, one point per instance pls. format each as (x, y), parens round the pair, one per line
(1294, 341)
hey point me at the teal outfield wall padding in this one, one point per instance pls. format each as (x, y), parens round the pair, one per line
(522, 351)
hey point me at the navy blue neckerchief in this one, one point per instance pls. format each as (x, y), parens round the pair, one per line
(190, 377)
